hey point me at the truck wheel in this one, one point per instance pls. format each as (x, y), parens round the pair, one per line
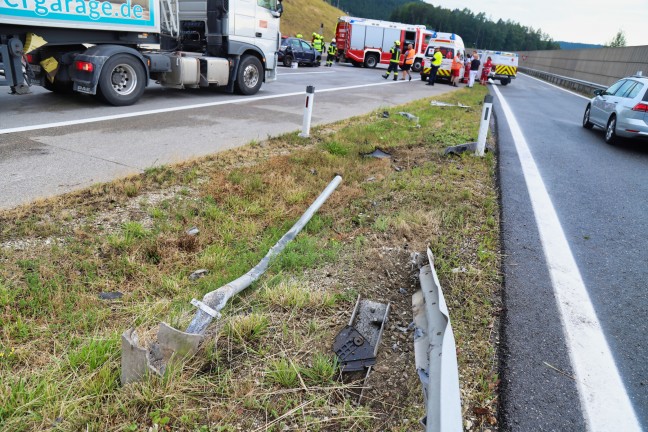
(250, 76)
(505, 81)
(288, 61)
(122, 80)
(371, 61)
(416, 67)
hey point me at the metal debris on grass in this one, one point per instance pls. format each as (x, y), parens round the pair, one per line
(378, 154)
(198, 274)
(446, 104)
(192, 231)
(461, 148)
(409, 116)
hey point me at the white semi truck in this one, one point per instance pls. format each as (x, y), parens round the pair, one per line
(113, 49)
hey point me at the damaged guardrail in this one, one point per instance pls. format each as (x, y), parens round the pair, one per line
(435, 354)
(137, 361)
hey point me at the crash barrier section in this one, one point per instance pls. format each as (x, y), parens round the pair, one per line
(173, 344)
(603, 66)
(308, 111)
(576, 85)
(435, 354)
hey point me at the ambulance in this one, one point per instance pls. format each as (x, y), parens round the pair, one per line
(505, 65)
(449, 44)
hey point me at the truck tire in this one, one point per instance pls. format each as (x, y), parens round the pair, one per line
(416, 67)
(122, 80)
(250, 76)
(371, 61)
(505, 81)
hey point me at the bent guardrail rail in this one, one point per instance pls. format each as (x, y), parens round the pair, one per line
(137, 361)
(435, 354)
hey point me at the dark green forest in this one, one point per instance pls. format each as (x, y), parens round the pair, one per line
(476, 30)
(375, 9)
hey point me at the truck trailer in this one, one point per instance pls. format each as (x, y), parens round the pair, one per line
(113, 49)
(366, 42)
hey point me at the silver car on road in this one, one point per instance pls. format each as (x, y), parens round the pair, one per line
(621, 110)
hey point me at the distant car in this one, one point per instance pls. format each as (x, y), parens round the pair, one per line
(298, 50)
(621, 110)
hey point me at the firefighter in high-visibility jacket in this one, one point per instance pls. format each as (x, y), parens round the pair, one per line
(317, 42)
(332, 50)
(394, 61)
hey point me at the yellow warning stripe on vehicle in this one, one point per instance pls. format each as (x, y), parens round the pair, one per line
(505, 70)
(440, 72)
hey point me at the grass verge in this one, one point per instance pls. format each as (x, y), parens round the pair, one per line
(267, 365)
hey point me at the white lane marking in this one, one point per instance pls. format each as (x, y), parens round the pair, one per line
(554, 85)
(303, 73)
(180, 108)
(604, 399)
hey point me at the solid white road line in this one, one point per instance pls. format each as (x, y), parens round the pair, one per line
(180, 108)
(604, 400)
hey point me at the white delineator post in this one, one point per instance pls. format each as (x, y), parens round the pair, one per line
(483, 125)
(308, 111)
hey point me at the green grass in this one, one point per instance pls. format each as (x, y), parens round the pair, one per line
(60, 344)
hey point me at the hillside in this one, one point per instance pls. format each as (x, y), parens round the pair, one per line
(306, 16)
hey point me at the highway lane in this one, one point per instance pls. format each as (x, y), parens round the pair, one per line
(40, 159)
(599, 193)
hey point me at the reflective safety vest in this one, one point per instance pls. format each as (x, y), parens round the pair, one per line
(300, 36)
(317, 44)
(409, 57)
(437, 59)
(395, 54)
(331, 49)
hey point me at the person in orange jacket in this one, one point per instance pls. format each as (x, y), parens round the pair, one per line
(408, 62)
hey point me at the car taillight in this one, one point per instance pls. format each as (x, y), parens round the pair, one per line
(30, 58)
(641, 107)
(84, 66)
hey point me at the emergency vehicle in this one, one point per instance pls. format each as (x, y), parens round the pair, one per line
(366, 42)
(449, 44)
(505, 65)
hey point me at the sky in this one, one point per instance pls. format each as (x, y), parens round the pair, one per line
(584, 21)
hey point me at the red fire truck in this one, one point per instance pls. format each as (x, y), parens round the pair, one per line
(367, 42)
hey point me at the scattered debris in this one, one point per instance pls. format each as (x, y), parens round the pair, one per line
(459, 270)
(110, 295)
(446, 104)
(356, 346)
(385, 114)
(378, 154)
(313, 171)
(198, 274)
(461, 148)
(370, 179)
(192, 231)
(409, 116)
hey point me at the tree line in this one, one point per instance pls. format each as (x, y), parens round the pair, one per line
(476, 30)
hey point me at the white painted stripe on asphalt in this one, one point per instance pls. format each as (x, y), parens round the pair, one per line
(555, 86)
(605, 402)
(304, 73)
(180, 108)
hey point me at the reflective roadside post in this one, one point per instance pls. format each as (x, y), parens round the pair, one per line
(483, 125)
(308, 111)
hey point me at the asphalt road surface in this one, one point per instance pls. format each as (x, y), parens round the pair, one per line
(51, 144)
(574, 220)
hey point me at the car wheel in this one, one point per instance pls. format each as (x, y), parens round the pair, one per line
(250, 76)
(610, 131)
(416, 67)
(287, 61)
(587, 124)
(122, 80)
(371, 61)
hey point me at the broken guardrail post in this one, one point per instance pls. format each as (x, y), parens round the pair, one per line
(483, 125)
(171, 343)
(308, 111)
(435, 354)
